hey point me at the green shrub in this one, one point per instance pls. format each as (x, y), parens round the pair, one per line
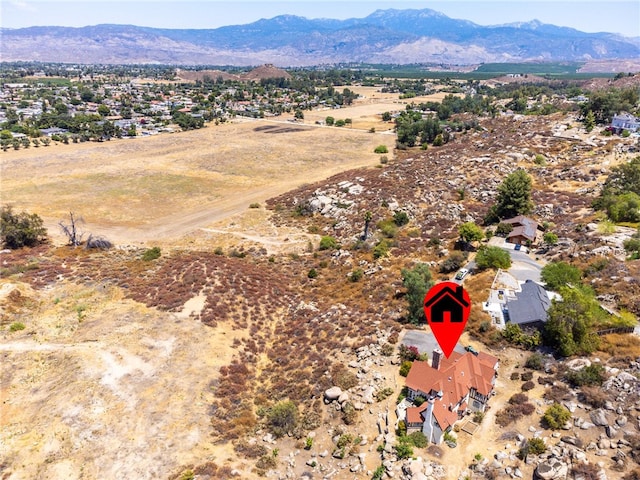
(378, 473)
(535, 362)
(381, 149)
(540, 159)
(328, 243)
(405, 367)
(151, 254)
(400, 218)
(16, 327)
(550, 238)
(384, 394)
(534, 446)
(282, 418)
(418, 439)
(418, 401)
(381, 249)
(387, 349)
(403, 450)
(453, 262)
(313, 273)
(349, 414)
(388, 228)
(591, 375)
(356, 275)
(556, 416)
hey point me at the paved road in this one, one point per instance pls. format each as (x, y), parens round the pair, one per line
(424, 341)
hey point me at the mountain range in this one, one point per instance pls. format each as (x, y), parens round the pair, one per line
(385, 36)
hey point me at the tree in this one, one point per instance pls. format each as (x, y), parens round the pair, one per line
(298, 115)
(417, 282)
(569, 322)
(329, 121)
(556, 416)
(492, 257)
(589, 121)
(560, 274)
(368, 216)
(470, 232)
(19, 230)
(74, 235)
(514, 195)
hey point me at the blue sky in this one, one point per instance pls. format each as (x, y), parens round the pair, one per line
(616, 16)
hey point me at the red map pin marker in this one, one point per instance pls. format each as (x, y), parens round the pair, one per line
(447, 307)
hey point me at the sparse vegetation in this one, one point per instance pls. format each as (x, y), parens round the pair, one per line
(16, 327)
(151, 254)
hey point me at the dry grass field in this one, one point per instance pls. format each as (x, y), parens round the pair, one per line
(365, 113)
(167, 185)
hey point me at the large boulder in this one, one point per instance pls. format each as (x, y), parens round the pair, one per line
(333, 393)
(551, 469)
(599, 417)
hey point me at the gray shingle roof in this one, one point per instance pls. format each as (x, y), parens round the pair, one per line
(530, 305)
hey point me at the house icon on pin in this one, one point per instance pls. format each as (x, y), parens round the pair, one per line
(448, 305)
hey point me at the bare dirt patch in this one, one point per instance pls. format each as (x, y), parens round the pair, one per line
(131, 388)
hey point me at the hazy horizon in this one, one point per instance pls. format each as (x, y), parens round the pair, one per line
(617, 16)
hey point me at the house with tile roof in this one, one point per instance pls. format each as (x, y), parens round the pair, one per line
(450, 387)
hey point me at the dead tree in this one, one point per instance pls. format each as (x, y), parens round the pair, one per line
(71, 231)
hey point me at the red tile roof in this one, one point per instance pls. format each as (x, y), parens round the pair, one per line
(456, 376)
(413, 414)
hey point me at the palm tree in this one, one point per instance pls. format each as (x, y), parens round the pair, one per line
(367, 219)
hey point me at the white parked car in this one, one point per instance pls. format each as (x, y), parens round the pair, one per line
(462, 273)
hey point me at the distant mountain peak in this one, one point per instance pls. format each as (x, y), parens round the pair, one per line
(384, 36)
